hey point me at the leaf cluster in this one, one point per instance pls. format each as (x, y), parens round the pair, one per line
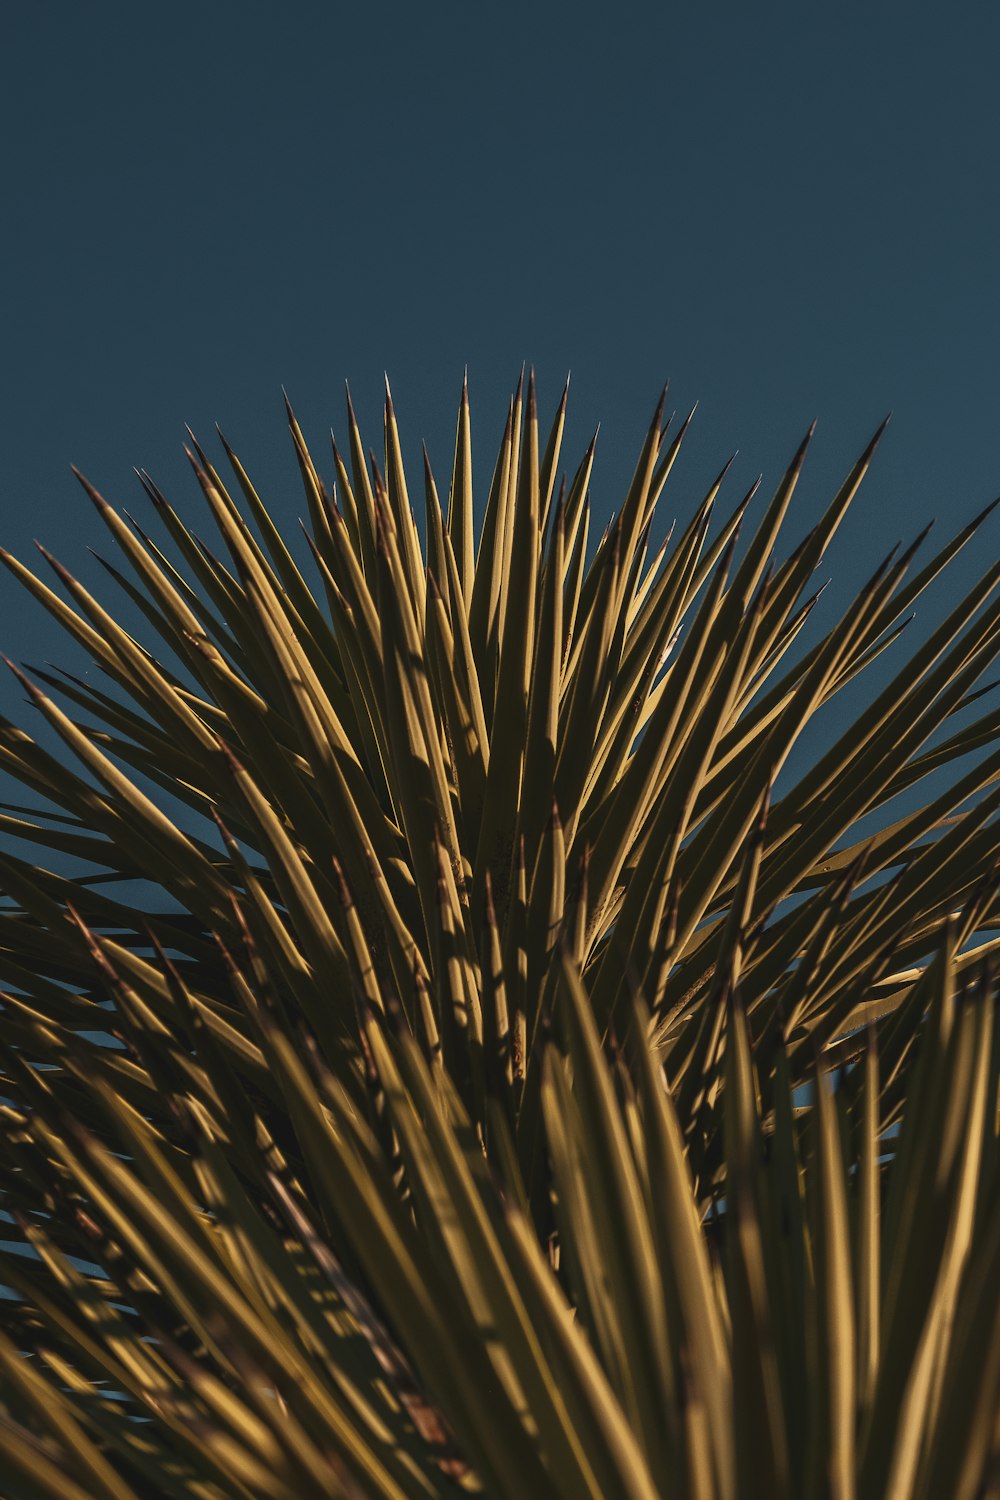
(520, 1083)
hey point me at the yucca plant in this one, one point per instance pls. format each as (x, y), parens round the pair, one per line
(520, 1084)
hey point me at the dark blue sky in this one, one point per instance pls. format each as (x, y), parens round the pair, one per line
(789, 216)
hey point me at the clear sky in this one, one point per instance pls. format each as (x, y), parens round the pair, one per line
(790, 215)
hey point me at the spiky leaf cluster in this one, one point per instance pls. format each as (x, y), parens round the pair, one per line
(508, 1075)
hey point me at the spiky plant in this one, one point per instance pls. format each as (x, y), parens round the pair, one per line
(520, 1086)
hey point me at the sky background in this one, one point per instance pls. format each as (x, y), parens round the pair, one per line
(789, 216)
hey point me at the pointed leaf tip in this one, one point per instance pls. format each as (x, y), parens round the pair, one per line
(986, 511)
(91, 493)
(869, 451)
(23, 679)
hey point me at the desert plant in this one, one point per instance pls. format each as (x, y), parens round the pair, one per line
(516, 1083)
